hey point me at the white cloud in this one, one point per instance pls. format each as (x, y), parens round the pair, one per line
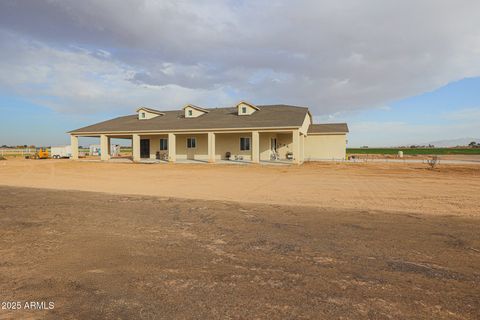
(331, 55)
(81, 82)
(468, 114)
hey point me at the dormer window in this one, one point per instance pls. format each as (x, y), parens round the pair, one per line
(147, 113)
(192, 111)
(246, 109)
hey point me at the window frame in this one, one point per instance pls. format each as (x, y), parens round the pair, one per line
(244, 146)
(165, 146)
(142, 115)
(194, 139)
(244, 110)
(190, 112)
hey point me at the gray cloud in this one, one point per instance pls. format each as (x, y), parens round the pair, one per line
(331, 55)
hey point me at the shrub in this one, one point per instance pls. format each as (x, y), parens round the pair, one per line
(432, 162)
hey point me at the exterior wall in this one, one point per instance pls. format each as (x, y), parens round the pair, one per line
(284, 144)
(265, 145)
(199, 153)
(325, 146)
(230, 142)
(306, 123)
(155, 144)
(195, 112)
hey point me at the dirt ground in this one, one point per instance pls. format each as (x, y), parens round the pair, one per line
(449, 189)
(452, 157)
(100, 256)
(318, 241)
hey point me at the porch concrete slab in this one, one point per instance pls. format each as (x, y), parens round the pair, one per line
(121, 160)
(234, 162)
(152, 161)
(191, 161)
(276, 162)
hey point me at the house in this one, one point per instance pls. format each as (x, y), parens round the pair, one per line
(244, 132)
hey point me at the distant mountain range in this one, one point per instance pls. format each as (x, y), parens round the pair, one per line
(453, 142)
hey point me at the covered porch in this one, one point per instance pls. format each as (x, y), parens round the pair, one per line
(266, 146)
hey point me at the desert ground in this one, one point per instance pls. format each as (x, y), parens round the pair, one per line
(447, 190)
(317, 241)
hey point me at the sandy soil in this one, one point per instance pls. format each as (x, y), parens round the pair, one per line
(448, 190)
(100, 256)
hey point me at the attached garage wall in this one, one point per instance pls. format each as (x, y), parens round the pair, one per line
(325, 147)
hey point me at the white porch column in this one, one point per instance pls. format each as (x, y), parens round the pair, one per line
(104, 147)
(211, 147)
(136, 147)
(296, 146)
(302, 148)
(255, 147)
(172, 147)
(74, 146)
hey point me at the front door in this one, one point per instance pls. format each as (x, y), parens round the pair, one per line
(191, 146)
(144, 148)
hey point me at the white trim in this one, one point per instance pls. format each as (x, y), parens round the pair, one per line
(151, 111)
(196, 108)
(189, 131)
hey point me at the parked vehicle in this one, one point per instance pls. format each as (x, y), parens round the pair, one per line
(40, 153)
(61, 152)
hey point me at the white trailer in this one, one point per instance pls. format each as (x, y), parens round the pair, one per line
(61, 152)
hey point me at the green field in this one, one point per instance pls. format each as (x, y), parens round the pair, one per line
(413, 151)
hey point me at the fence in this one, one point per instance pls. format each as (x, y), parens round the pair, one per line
(16, 152)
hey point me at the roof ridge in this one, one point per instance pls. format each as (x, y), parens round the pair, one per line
(233, 107)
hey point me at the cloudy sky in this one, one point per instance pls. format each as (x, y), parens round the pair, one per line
(398, 72)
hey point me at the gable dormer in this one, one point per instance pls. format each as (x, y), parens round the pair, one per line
(144, 113)
(245, 108)
(192, 111)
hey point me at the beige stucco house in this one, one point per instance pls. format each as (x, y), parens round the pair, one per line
(245, 132)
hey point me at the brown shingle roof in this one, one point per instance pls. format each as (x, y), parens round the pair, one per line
(268, 116)
(328, 128)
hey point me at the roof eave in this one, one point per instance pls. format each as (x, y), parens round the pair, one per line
(196, 108)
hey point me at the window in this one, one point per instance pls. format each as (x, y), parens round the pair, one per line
(244, 144)
(163, 144)
(142, 115)
(244, 109)
(190, 113)
(191, 143)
